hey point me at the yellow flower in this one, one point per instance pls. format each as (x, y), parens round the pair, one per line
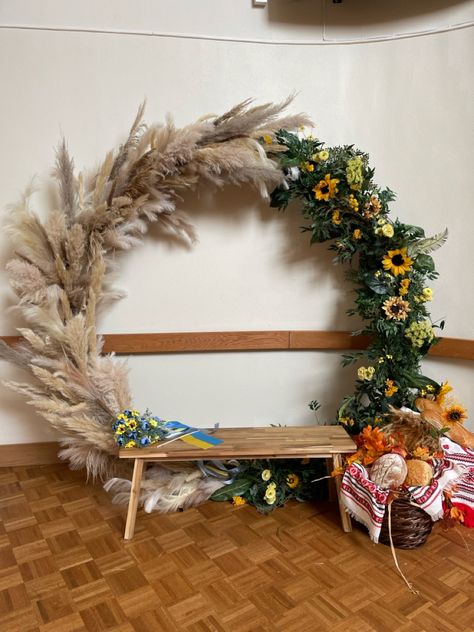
(387, 230)
(307, 166)
(357, 234)
(238, 500)
(397, 261)
(130, 444)
(266, 475)
(135, 413)
(391, 388)
(404, 285)
(443, 391)
(365, 373)
(270, 494)
(120, 429)
(353, 203)
(132, 424)
(336, 218)
(354, 174)
(292, 480)
(267, 139)
(347, 421)
(326, 189)
(321, 156)
(153, 423)
(122, 417)
(455, 414)
(427, 294)
(396, 308)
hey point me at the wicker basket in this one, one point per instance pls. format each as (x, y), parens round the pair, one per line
(411, 525)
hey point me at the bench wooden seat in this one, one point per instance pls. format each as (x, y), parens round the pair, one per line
(293, 442)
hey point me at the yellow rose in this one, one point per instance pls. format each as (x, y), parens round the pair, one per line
(369, 374)
(321, 156)
(270, 495)
(387, 230)
(266, 475)
(427, 294)
(357, 234)
(361, 373)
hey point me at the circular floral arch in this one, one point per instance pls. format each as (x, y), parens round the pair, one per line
(61, 265)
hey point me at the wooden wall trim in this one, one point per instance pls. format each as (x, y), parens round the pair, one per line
(185, 342)
(18, 454)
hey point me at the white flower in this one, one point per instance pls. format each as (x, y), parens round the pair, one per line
(294, 173)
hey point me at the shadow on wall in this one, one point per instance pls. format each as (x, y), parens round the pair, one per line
(354, 13)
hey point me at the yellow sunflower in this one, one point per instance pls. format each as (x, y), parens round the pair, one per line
(396, 308)
(455, 414)
(326, 189)
(397, 261)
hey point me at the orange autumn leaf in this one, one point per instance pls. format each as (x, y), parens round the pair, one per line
(456, 514)
(421, 453)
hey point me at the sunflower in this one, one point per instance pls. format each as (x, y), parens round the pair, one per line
(396, 308)
(326, 189)
(397, 261)
(455, 414)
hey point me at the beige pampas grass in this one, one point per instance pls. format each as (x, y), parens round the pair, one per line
(61, 268)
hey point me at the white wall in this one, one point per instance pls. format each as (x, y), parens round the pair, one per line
(407, 101)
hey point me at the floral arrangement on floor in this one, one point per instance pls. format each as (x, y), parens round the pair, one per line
(342, 203)
(270, 484)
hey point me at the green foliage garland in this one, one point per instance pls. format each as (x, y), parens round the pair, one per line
(269, 484)
(390, 264)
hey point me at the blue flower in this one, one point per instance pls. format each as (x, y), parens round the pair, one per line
(145, 425)
(145, 440)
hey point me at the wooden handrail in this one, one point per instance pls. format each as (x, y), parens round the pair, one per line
(186, 342)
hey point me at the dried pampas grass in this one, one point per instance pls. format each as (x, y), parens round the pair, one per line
(61, 270)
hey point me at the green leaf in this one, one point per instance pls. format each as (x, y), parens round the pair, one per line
(237, 488)
(424, 263)
(375, 284)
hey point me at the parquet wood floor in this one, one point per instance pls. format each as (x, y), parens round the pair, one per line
(64, 567)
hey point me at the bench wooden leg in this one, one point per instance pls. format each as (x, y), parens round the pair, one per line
(134, 496)
(331, 483)
(345, 518)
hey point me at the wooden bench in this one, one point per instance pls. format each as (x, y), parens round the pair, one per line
(313, 442)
